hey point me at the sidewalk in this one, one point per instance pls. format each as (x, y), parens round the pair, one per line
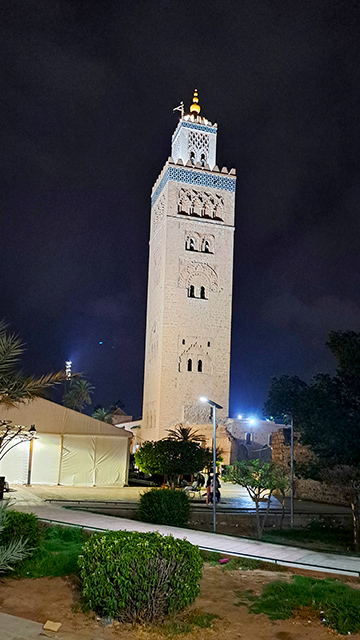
(245, 547)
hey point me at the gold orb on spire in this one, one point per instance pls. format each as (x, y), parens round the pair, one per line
(195, 107)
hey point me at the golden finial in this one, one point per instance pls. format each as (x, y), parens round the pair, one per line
(195, 107)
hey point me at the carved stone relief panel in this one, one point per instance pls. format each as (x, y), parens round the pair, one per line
(193, 272)
(201, 204)
(196, 413)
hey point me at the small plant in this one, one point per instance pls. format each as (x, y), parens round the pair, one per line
(20, 525)
(337, 604)
(13, 551)
(164, 506)
(138, 577)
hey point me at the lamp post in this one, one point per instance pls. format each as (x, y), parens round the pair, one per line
(214, 406)
(32, 432)
(292, 473)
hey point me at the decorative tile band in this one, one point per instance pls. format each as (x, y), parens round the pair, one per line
(191, 176)
(192, 125)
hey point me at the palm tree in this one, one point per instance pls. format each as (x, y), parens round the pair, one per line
(185, 434)
(14, 386)
(79, 394)
(100, 413)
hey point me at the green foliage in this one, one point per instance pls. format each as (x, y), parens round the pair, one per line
(100, 413)
(337, 604)
(14, 551)
(164, 506)
(20, 525)
(185, 434)
(57, 555)
(79, 394)
(171, 458)
(138, 577)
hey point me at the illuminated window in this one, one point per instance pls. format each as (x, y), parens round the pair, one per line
(202, 293)
(200, 366)
(189, 367)
(191, 291)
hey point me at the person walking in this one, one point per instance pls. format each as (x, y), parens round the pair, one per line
(208, 489)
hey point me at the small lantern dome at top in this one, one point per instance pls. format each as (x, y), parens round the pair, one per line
(195, 107)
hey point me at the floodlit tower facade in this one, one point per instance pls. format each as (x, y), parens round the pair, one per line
(190, 281)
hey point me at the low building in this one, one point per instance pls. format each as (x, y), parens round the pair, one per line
(70, 448)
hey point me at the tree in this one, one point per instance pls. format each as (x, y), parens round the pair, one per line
(171, 458)
(100, 413)
(327, 417)
(282, 485)
(15, 387)
(79, 394)
(183, 433)
(259, 481)
(12, 435)
(283, 398)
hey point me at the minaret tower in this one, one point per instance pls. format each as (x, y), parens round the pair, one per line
(190, 281)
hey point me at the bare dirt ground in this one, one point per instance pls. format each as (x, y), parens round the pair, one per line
(57, 599)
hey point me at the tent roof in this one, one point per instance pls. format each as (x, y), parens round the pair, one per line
(50, 417)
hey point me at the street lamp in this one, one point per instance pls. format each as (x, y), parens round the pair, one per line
(32, 432)
(214, 406)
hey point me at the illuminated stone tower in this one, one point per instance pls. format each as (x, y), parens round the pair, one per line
(190, 281)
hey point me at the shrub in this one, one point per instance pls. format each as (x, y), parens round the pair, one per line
(164, 506)
(138, 577)
(20, 525)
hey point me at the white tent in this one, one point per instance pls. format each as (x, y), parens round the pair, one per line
(70, 448)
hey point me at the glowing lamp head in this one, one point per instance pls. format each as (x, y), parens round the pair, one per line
(252, 421)
(203, 399)
(240, 416)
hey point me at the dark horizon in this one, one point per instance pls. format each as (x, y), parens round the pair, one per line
(88, 94)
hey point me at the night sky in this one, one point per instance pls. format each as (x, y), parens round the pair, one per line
(87, 93)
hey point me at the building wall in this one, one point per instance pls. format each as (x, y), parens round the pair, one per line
(179, 327)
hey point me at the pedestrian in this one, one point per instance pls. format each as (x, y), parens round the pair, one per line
(208, 489)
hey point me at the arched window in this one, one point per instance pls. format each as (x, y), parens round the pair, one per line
(192, 157)
(191, 245)
(203, 159)
(202, 293)
(207, 246)
(200, 366)
(248, 438)
(191, 291)
(189, 367)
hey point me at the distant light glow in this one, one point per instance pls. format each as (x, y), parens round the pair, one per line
(252, 421)
(100, 341)
(240, 417)
(68, 364)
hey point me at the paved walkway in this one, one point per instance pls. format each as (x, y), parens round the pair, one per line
(245, 547)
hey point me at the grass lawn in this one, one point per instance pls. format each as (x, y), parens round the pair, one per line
(57, 555)
(337, 604)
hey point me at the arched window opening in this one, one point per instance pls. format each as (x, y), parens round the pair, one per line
(206, 246)
(203, 159)
(270, 439)
(192, 157)
(200, 366)
(183, 340)
(191, 245)
(189, 367)
(202, 293)
(191, 291)
(248, 438)
(209, 344)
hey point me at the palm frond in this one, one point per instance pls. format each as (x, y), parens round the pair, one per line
(12, 553)
(11, 349)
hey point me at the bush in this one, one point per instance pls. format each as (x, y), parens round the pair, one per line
(20, 525)
(164, 506)
(138, 577)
